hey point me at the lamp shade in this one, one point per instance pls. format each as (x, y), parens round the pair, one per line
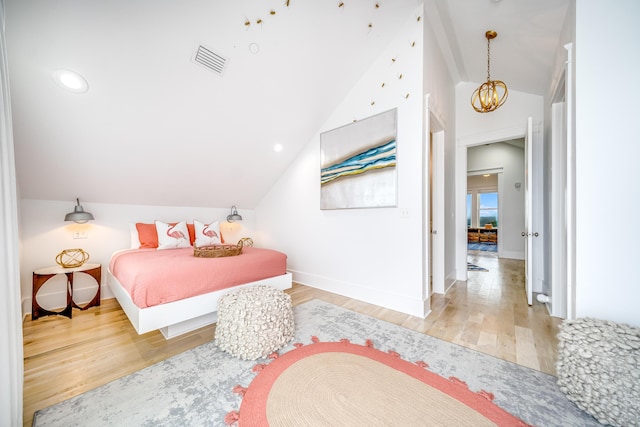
(234, 215)
(78, 215)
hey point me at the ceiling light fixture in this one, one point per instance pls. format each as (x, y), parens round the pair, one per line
(71, 81)
(493, 93)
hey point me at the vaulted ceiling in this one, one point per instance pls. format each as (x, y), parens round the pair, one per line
(157, 128)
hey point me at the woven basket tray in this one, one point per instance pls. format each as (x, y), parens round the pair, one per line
(217, 251)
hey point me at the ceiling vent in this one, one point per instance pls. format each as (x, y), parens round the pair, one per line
(210, 60)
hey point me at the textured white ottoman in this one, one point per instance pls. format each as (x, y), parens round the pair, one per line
(599, 369)
(254, 322)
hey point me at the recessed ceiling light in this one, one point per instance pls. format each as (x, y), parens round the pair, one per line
(71, 81)
(277, 148)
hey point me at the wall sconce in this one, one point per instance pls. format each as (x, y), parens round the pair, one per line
(234, 216)
(78, 215)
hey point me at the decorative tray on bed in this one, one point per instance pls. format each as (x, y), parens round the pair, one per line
(217, 251)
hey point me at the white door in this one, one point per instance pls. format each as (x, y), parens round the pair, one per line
(437, 211)
(528, 211)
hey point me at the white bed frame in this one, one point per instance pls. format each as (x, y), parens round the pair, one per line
(179, 317)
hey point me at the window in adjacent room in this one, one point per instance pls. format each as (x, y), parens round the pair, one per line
(488, 208)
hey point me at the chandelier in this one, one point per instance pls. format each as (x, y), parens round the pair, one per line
(493, 93)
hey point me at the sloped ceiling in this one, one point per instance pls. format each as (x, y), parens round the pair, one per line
(155, 128)
(522, 55)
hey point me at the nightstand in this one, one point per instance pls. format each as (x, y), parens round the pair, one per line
(41, 276)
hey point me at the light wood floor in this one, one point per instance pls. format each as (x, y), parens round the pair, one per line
(65, 357)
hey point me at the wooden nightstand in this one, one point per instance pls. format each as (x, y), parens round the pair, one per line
(41, 275)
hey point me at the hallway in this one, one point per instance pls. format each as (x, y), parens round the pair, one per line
(489, 313)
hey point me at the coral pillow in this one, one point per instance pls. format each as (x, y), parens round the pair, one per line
(192, 233)
(147, 235)
(207, 234)
(171, 236)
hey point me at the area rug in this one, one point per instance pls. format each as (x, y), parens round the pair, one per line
(482, 247)
(195, 388)
(359, 385)
(473, 267)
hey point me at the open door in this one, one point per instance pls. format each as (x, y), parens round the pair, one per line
(433, 175)
(528, 210)
(437, 227)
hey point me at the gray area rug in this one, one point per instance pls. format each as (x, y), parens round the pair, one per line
(195, 388)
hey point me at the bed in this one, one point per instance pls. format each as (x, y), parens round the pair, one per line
(176, 292)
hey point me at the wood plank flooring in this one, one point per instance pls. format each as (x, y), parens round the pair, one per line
(65, 357)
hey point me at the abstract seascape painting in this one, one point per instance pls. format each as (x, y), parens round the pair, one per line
(358, 164)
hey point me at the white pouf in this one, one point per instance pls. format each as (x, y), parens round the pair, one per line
(254, 322)
(599, 369)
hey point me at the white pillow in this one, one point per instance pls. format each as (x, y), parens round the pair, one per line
(133, 236)
(207, 234)
(172, 236)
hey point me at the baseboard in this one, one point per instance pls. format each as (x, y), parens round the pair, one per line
(449, 281)
(401, 303)
(512, 254)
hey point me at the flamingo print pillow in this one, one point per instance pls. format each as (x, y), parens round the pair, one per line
(207, 234)
(172, 236)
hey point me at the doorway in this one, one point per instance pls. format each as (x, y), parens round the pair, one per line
(435, 209)
(511, 240)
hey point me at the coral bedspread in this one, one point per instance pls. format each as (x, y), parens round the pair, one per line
(155, 277)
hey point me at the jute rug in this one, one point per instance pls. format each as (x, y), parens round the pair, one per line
(195, 388)
(321, 383)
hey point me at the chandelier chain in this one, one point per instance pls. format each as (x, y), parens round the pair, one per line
(488, 59)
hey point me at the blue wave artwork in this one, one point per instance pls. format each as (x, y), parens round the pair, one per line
(383, 156)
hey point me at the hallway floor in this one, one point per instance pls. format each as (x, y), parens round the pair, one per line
(488, 313)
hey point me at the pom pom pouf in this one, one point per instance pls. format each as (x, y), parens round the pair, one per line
(599, 369)
(254, 322)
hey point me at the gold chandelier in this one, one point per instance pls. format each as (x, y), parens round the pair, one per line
(493, 93)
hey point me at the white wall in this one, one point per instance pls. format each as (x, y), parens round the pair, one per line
(510, 159)
(11, 354)
(372, 255)
(607, 156)
(439, 84)
(44, 234)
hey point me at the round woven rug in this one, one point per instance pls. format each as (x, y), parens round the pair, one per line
(325, 384)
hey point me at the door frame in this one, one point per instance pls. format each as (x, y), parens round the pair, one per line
(529, 234)
(433, 201)
(498, 135)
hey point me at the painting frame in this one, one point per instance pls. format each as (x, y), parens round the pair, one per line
(358, 164)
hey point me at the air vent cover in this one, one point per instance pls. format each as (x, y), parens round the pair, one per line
(210, 60)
